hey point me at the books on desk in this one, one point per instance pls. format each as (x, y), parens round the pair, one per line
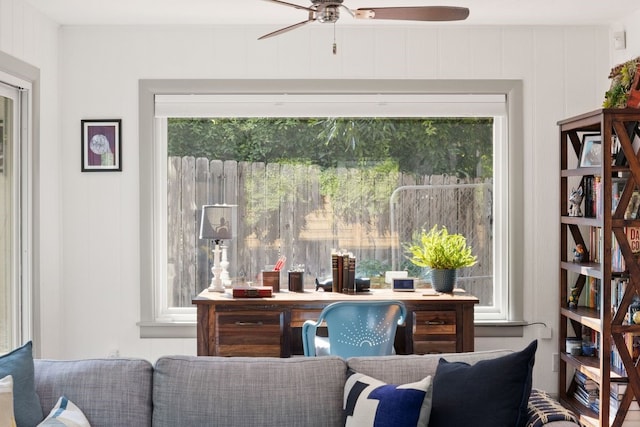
(246, 291)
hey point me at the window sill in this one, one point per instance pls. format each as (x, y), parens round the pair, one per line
(188, 329)
(167, 329)
(490, 328)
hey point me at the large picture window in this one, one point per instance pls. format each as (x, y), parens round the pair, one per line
(314, 173)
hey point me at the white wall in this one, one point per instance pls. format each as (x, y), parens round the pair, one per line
(564, 72)
(89, 244)
(28, 35)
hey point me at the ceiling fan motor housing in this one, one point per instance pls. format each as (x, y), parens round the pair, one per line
(327, 10)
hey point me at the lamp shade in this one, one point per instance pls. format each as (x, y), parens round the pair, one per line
(218, 222)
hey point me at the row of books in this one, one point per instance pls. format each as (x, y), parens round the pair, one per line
(592, 190)
(618, 263)
(587, 393)
(343, 269)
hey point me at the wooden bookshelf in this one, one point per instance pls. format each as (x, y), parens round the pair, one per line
(612, 270)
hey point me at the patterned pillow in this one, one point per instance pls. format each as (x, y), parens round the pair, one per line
(369, 402)
(543, 409)
(6, 402)
(26, 403)
(65, 413)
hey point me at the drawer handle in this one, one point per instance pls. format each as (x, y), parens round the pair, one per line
(434, 322)
(248, 323)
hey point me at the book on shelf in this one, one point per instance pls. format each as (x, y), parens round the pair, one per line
(634, 205)
(590, 296)
(618, 263)
(633, 237)
(585, 382)
(618, 288)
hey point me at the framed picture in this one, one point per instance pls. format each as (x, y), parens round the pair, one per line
(591, 153)
(101, 145)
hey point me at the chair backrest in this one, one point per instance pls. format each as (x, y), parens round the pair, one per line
(358, 328)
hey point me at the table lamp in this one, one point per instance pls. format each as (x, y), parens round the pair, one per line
(218, 224)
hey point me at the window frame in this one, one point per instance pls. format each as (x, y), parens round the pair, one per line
(156, 322)
(24, 79)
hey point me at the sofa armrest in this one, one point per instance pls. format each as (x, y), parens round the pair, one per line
(544, 410)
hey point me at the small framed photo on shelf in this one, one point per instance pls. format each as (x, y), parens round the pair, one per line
(101, 145)
(591, 153)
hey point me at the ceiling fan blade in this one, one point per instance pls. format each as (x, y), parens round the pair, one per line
(289, 28)
(417, 13)
(284, 3)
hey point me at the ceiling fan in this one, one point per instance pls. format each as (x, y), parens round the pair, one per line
(328, 11)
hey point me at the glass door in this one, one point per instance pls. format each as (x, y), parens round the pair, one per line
(9, 218)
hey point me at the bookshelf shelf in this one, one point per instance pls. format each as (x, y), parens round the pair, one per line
(588, 269)
(595, 294)
(579, 220)
(586, 316)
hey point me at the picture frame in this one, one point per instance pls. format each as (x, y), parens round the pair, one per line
(101, 147)
(591, 152)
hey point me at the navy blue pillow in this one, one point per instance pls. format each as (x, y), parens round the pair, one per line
(490, 393)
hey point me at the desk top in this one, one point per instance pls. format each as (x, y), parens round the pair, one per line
(311, 296)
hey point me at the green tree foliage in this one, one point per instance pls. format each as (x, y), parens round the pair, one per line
(453, 146)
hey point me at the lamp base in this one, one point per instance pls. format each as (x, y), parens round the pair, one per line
(216, 287)
(216, 284)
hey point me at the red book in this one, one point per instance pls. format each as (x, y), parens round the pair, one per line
(252, 291)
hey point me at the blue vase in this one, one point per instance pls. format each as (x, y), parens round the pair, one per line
(443, 280)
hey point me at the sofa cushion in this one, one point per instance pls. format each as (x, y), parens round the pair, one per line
(26, 406)
(248, 391)
(494, 392)
(372, 403)
(110, 392)
(65, 414)
(6, 402)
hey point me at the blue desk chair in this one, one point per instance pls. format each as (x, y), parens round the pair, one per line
(356, 328)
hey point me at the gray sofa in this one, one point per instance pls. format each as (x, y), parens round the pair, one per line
(214, 391)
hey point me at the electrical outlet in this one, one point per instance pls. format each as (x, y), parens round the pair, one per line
(555, 361)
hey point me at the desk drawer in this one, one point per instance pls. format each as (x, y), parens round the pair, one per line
(249, 333)
(434, 332)
(434, 322)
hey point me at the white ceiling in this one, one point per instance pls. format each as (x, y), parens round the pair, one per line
(238, 12)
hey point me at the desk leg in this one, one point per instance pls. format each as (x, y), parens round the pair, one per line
(467, 324)
(205, 330)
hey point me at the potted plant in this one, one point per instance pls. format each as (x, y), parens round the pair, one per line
(443, 252)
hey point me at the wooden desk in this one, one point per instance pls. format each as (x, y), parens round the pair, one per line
(230, 326)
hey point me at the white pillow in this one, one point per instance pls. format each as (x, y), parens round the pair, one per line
(65, 413)
(6, 402)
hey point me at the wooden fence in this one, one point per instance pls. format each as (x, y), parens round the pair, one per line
(304, 213)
